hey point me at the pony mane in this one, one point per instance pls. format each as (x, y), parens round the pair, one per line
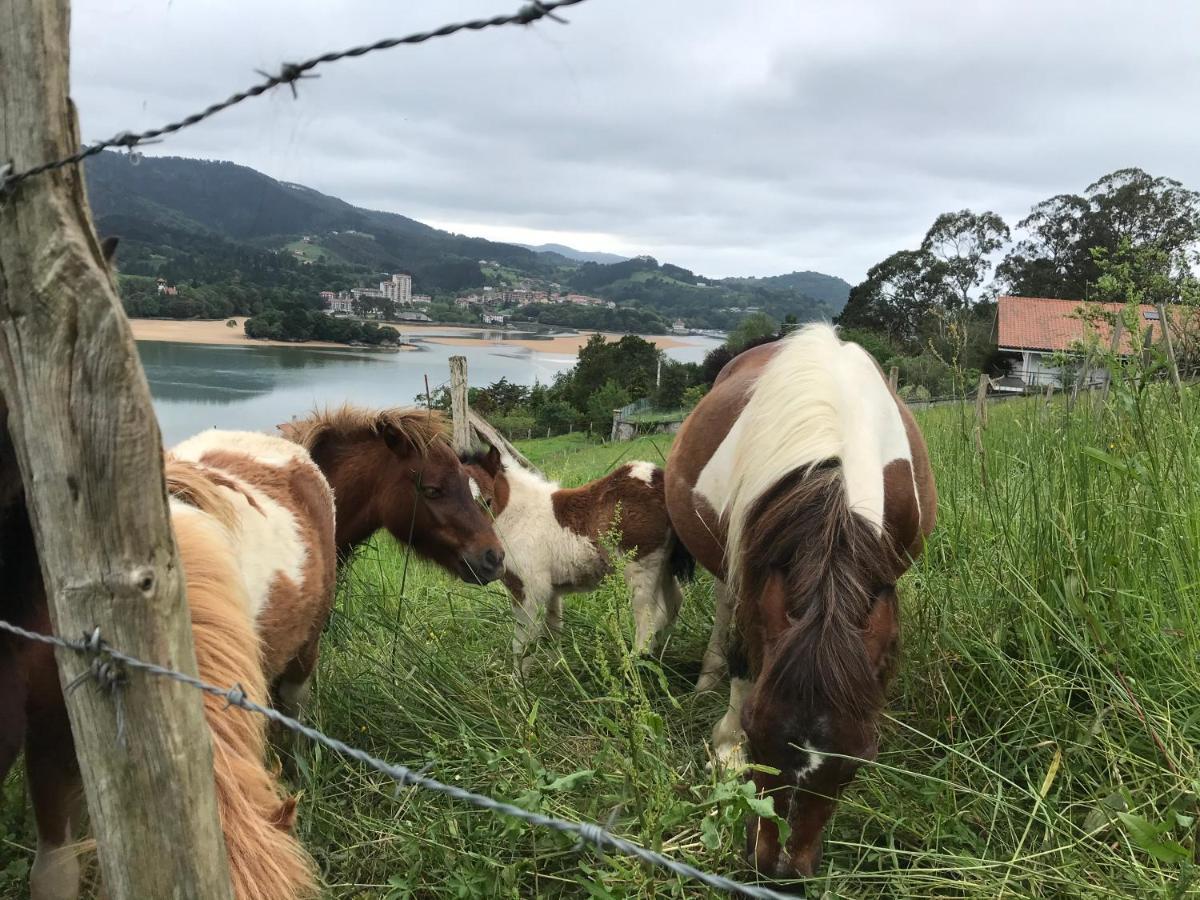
(265, 861)
(197, 486)
(421, 427)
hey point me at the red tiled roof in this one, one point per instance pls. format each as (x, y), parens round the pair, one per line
(1041, 323)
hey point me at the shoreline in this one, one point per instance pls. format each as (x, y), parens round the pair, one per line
(216, 332)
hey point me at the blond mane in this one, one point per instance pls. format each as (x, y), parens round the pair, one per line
(197, 486)
(420, 427)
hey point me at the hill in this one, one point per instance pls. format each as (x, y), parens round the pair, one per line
(573, 254)
(219, 225)
(829, 289)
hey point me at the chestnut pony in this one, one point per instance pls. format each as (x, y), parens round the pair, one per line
(253, 521)
(395, 469)
(803, 484)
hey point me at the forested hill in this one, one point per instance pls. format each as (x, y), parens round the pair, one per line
(207, 223)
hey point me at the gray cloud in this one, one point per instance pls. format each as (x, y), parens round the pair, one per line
(750, 138)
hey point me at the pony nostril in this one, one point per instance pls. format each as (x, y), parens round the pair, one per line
(492, 559)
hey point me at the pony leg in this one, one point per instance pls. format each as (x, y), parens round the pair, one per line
(714, 666)
(728, 737)
(527, 609)
(292, 691)
(554, 615)
(57, 792)
(652, 610)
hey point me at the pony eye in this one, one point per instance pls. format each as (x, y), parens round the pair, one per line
(431, 493)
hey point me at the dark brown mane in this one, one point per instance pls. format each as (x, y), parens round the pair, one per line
(421, 427)
(833, 563)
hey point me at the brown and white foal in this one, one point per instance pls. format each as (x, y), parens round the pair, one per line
(554, 543)
(803, 484)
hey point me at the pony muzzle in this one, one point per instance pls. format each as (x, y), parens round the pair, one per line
(482, 567)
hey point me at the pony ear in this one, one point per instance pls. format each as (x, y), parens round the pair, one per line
(108, 248)
(492, 461)
(396, 440)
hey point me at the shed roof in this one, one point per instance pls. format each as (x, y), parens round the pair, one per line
(1043, 323)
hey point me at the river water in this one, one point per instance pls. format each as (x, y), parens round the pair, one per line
(198, 386)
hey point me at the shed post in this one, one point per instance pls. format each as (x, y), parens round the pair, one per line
(458, 404)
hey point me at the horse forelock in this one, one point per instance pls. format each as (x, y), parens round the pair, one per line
(422, 428)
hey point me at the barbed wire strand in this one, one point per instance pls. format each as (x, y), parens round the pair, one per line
(97, 649)
(289, 74)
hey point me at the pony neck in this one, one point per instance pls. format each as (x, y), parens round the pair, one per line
(526, 490)
(362, 472)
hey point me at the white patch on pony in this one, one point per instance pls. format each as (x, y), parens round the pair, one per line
(55, 873)
(537, 549)
(269, 449)
(475, 495)
(817, 399)
(641, 470)
(268, 543)
(814, 762)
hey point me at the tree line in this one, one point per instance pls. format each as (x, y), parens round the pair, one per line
(931, 310)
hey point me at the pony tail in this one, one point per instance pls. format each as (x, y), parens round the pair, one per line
(833, 562)
(266, 862)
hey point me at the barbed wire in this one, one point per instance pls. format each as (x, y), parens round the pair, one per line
(289, 74)
(102, 668)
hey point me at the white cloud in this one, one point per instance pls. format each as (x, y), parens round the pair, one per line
(749, 138)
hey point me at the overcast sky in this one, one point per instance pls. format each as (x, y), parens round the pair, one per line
(735, 138)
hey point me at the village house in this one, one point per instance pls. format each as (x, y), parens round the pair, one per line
(338, 304)
(163, 288)
(493, 319)
(398, 288)
(421, 299)
(679, 326)
(1034, 332)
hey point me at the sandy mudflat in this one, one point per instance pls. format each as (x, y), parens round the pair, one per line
(567, 343)
(192, 331)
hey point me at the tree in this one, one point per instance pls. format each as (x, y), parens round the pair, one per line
(556, 416)
(602, 404)
(962, 243)
(630, 363)
(1056, 257)
(896, 296)
(673, 381)
(753, 327)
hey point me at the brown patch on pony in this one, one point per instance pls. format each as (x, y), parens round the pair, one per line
(266, 862)
(419, 427)
(637, 510)
(295, 614)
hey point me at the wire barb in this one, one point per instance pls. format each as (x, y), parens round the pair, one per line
(289, 74)
(586, 832)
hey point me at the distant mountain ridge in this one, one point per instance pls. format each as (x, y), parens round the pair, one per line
(577, 255)
(203, 221)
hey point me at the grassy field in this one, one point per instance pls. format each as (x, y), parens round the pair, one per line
(1041, 738)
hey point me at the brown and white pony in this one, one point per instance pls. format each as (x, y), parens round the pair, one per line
(554, 543)
(803, 484)
(395, 469)
(253, 521)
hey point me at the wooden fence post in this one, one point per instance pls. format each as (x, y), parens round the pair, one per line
(90, 454)
(458, 404)
(1165, 326)
(894, 378)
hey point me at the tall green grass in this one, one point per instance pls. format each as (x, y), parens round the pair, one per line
(1041, 736)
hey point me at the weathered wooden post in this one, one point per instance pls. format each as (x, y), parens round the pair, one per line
(90, 456)
(458, 404)
(1165, 326)
(894, 378)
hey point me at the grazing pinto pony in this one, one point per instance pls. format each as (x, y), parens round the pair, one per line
(253, 521)
(803, 484)
(554, 541)
(395, 469)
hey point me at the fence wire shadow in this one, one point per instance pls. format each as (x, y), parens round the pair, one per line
(108, 669)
